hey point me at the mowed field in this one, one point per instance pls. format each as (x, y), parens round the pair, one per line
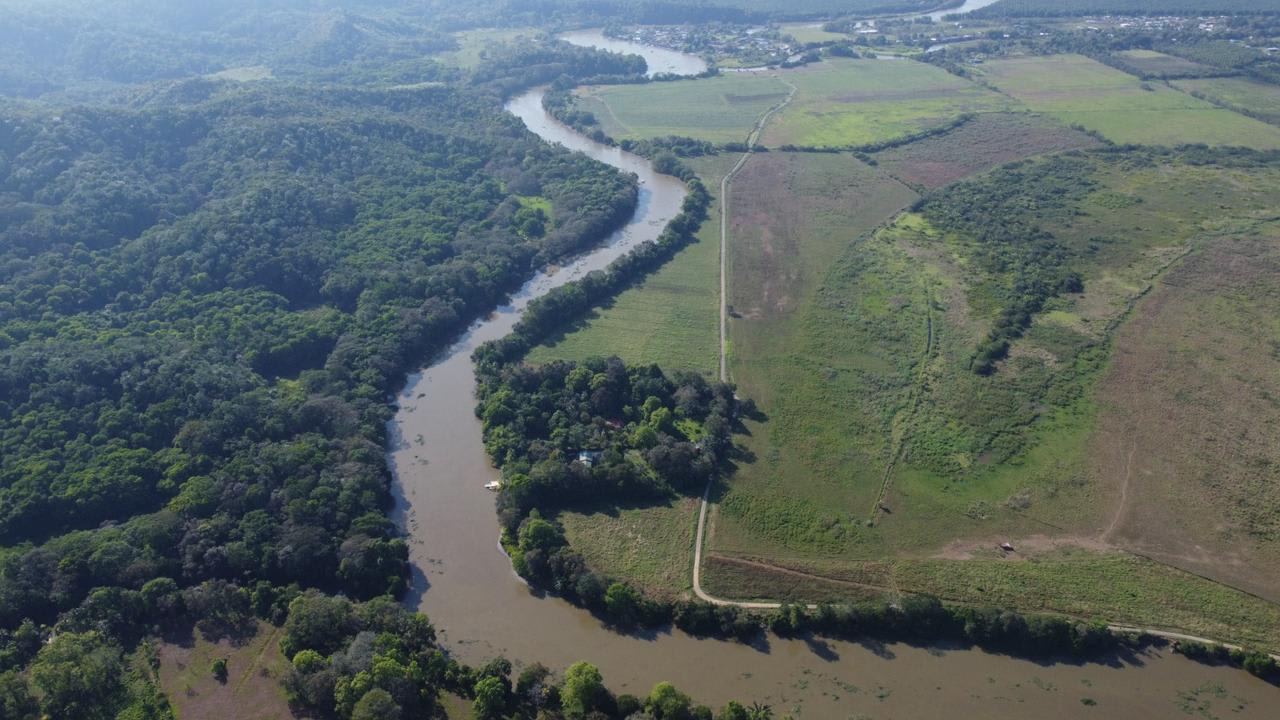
(671, 317)
(720, 109)
(842, 102)
(1078, 90)
(1259, 99)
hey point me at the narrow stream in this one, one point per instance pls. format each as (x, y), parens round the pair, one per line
(464, 583)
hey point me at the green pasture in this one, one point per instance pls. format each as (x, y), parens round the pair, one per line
(841, 102)
(650, 546)
(1158, 64)
(810, 32)
(671, 317)
(1258, 99)
(719, 109)
(1078, 90)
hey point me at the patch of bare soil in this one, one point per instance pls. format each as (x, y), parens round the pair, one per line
(1190, 413)
(1024, 548)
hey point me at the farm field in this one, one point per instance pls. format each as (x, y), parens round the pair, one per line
(873, 390)
(669, 318)
(1158, 64)
(810, 32)
(837, 103)
(1077, 90)
(841, 102)
(1259, 99)
(720, 109)
(985, 142)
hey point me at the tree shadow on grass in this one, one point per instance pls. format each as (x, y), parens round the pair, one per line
(570, 327)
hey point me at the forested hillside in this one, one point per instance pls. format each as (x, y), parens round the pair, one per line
(205, 299)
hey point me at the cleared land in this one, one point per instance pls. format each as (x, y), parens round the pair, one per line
(255, 668)
(843, 102)
(1258, 99)
(720, 109)
(473, 44)
(1077, 90)
(872, 390)
(985, 142)
(670, 317)
(1192, 413)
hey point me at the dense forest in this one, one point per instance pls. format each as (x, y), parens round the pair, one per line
(206, 295)
(81, 49)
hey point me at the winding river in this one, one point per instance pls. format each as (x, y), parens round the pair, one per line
(464, 582)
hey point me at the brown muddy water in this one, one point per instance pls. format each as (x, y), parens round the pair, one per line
(464, 582)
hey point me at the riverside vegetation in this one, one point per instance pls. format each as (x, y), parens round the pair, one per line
(209, 288)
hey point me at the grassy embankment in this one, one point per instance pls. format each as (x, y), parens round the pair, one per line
(1075, 89)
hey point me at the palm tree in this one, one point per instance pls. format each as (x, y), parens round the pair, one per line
(759, 712)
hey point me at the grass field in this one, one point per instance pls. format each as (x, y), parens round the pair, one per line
(720, 109)
(1192, 403)
(1157, 64)
(671, 317)
(1259, 99)
(810, 32)
(874, 387)
(255, 668)
(838, 102)
(649, 546)
(843, 102)
(1118, 588)
(983, 143)
(1077, 90)
(472, 44)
